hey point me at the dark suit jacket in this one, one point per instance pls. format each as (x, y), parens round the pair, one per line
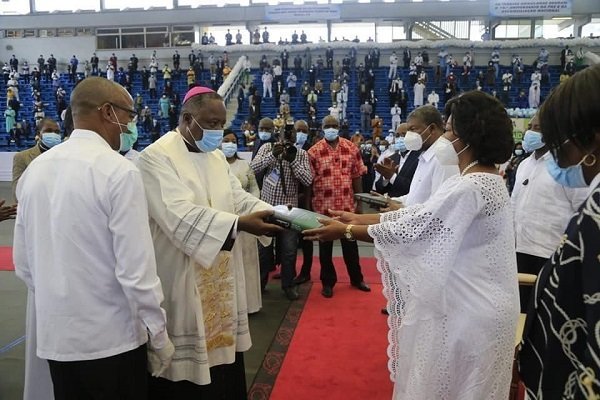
(404, 177)
(20, 162)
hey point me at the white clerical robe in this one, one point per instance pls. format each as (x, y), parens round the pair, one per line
(534, 96)
(194, 201)
(419, 89)
(38, 383)
(450, 277)
(241, 169)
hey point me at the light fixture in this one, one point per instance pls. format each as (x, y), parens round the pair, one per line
(561, 18)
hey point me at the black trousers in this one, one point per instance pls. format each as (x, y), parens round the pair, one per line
(528, 264)
(123, 376)
(307, 256)
(351, 259)
(228, 382)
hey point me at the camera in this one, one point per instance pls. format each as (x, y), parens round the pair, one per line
(285, 147)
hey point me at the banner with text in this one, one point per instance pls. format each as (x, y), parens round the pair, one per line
(302, 12)
(530, 8)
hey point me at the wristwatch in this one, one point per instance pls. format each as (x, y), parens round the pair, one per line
(348, 234)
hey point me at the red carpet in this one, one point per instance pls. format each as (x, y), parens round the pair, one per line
(6, 261)
(338, 350)
(368, 264)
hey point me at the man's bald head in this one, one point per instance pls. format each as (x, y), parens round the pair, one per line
(102, 106)
(402, 129)
(92, 92)
(266, 124)
(330, 122)
(301, 126)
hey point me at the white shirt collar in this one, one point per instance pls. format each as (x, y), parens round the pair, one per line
(428, 154)
(87, 134)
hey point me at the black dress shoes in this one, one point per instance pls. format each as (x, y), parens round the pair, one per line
(362, 286)
(291, 293)
(300, 279)
(327, 292)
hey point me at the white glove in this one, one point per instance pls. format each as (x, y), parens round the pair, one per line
(160, 359)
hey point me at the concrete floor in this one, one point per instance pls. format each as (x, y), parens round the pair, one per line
(13, 296)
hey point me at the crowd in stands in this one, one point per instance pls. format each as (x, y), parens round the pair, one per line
(258, 37)
(326, 84)
(421, 125)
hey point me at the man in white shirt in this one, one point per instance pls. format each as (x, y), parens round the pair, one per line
(267, 81)
(196, 207)
(536, 77)
(89, 262)
(433, 99)
(396, 113)
(425, 126)
(542, 208)
(393, 65)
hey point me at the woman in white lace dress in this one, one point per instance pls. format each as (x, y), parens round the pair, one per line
(448, 266)
(241, 169)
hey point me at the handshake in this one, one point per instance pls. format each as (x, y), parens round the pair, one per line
(285, 150)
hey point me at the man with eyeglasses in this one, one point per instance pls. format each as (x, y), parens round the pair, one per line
(89, 261)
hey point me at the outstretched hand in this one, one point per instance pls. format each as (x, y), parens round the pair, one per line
(256, 224)
(392, 206)
(345, 217)
(7, 212)
(331, 230)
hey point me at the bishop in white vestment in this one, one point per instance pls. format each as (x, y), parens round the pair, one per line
(194, 202)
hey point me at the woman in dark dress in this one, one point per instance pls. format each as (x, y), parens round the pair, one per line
(560, 355)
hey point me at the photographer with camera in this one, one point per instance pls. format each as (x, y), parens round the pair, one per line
(370, 154)
(284, 166)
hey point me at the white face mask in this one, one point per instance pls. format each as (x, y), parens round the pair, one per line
(414, 141)
(445, 152)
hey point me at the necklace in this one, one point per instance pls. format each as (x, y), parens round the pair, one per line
(468, 167)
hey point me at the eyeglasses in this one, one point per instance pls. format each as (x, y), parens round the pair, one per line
(132, 113)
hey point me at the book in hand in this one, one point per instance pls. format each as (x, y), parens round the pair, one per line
(296, 219)
(374, 200)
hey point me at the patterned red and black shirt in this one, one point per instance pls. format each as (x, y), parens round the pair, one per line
(333, 170)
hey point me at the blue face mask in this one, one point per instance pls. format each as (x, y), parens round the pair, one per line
(330, 134)
(229, 149)
(129, 138)
(51, 139)
(570, 177)
(518, 152)
(211, 138)
(301, 138)
(399, 144)
(532, 141)
(264, 136)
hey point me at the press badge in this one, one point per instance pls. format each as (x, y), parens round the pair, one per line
(273, 177)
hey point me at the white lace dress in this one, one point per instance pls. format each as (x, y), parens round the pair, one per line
(450, 276)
